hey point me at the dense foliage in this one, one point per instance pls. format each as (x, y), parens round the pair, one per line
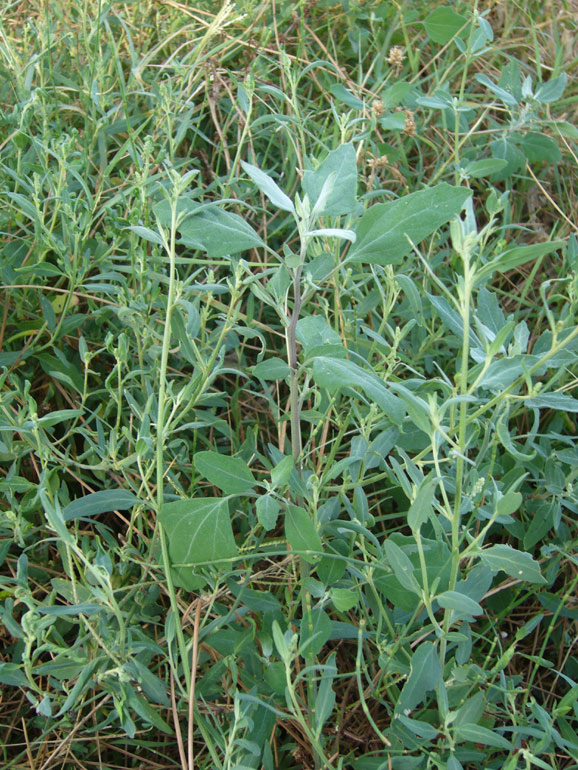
(288, 436)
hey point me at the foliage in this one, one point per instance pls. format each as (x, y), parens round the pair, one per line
(288, 432)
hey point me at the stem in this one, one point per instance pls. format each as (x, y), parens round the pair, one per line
(462, 427)
(293, 365)
(171, 249)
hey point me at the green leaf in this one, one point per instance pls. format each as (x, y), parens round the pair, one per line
(325, 700)
(316, 636)
(343, 599)
(100, 502)
(485, 167)
(282, 471)
(198, 531)
(519, 255)
(552, 90)
(479, 734)
(471, 710)
(54, 418)
(336, 178)
(62, 370)
(147, 234)
(345, 96)
(422, 507)
(301, 533)
(539, 148)
(401, 566)
(509, 503)
(218, 232)
(383, 230)
(419, 727)
(501, 93)
(460, 603)
(443, 24)
(267, 511)
(269, 187)
(229, 474)
(518, 564)
(514, 157)
(556, 401)
(271, 369)
(425, 674)
(11, 674)
(335, 374)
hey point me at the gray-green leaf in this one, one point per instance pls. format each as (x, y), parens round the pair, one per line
(518, 564)
(269, 187)
(198, 531)
(340, 197)
(301, 533)
(383, 232)
(229, 474)
(425, 674)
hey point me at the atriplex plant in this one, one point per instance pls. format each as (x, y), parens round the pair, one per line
(346, 443)
(454, 497)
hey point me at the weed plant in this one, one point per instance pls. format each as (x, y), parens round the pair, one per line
(288, 434)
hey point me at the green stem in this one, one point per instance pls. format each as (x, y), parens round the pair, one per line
(171, 250)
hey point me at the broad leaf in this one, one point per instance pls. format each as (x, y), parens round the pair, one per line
(272, 369)
(229, 474)
(336, 178)
(218, 232)
(199, 532)
(557, 401)
(209, 228)
(518, 564)
(552, 90)
(100, 502)
(383, 232)
(301, 533)
(267, 511)
(443, 24)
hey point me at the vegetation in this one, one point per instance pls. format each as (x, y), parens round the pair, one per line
(288, 435)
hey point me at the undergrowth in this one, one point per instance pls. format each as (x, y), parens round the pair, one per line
(289, 342)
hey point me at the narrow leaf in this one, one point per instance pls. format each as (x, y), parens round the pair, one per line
(401, 565)
(269, 187)
(453, 600)
(341, 165)
(425, 674)
(100, 502)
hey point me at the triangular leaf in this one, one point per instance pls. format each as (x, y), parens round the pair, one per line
(198, 531)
